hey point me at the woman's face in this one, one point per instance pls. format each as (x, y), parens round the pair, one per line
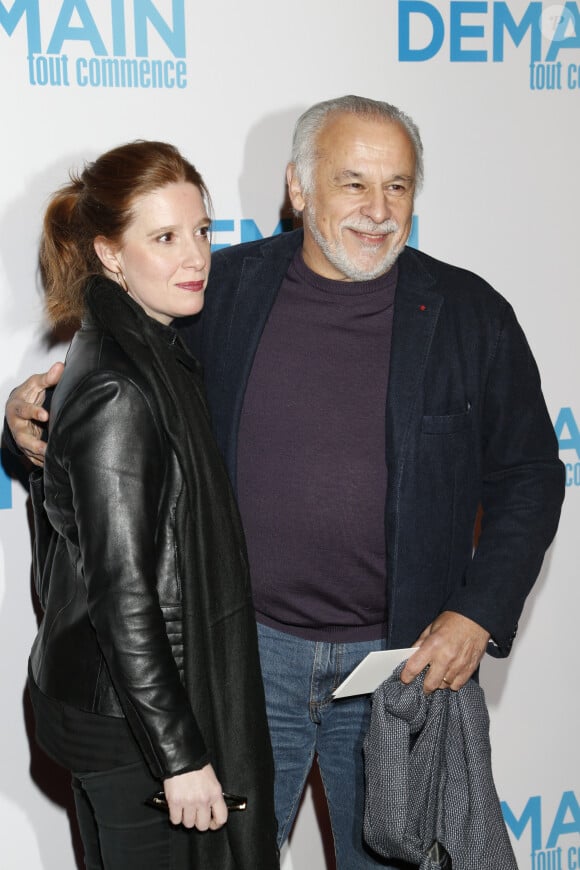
(164, 255)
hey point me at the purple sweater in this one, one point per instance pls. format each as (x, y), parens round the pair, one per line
(312, 476)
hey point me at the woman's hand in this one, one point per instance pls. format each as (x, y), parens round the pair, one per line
(195, 800)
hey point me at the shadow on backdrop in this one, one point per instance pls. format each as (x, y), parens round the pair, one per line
(262, 184)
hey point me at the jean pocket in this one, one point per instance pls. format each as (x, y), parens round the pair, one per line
(88, 775)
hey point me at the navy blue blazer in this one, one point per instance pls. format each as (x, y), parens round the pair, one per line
(466, 426)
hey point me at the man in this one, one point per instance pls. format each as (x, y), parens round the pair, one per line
(367, 399)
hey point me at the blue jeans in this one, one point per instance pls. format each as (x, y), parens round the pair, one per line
(299, 677)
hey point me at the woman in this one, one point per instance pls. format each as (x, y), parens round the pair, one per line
(145, 672)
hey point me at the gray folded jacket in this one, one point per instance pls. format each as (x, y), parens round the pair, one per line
(430, 795)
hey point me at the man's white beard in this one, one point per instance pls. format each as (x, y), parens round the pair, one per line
(337, 255)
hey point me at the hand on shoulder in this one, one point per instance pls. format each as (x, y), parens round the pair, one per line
(25, 415)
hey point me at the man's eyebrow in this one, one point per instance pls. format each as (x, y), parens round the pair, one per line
(353, 175)
(409, 178)
(348, 175)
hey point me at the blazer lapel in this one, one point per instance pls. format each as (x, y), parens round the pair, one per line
(417, 308)
(258, 286)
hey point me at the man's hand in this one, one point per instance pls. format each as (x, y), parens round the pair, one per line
(24, 412)
(452, 646)
(195, 800)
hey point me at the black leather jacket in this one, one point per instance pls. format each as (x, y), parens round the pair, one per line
(110, 641)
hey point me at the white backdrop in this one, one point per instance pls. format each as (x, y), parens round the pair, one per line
(495, 89)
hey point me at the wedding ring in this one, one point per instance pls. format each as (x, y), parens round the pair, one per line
(446, 681)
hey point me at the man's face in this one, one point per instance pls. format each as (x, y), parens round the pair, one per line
(357, 217)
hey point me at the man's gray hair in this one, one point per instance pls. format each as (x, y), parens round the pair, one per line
(311, 122)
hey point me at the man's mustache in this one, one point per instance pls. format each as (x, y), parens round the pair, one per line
(370, 227)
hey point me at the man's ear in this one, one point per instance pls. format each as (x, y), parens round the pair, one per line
(294, 188)
(106, 251)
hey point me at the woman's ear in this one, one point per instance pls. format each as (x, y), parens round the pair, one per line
(106, 251)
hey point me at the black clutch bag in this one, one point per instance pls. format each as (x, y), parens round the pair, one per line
(233, 801)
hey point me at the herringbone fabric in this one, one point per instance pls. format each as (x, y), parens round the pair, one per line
(429, 778)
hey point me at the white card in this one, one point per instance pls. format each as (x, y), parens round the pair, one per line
(372, 671)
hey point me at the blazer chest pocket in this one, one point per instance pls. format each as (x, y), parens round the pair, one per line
(446, 424)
